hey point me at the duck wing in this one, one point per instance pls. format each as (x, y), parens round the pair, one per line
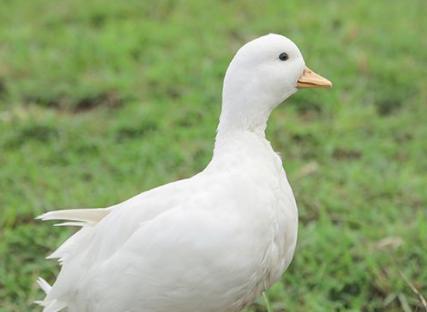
(103, 231)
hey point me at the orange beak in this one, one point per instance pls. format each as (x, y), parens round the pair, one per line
(309, 79)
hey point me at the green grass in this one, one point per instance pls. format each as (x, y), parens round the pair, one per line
(100, 100)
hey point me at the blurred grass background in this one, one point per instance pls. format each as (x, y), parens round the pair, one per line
(103, 99)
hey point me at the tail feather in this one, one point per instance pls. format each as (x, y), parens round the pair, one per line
(73, 217)
(89, 216)
(53, 306)
(76, 223)
(44, 285)
(48, 305)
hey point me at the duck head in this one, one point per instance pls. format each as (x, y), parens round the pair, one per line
(262, 74)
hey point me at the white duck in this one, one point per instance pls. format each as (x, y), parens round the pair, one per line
(210, 243)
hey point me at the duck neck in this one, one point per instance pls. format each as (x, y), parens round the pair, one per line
(241, 118)
(236, 136)
(247, 110)
(237, 128)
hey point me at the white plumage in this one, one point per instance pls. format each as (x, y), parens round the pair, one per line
(210, 243)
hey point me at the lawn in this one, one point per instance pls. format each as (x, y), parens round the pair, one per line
(101, 100)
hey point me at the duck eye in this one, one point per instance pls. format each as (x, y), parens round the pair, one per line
(284, 56)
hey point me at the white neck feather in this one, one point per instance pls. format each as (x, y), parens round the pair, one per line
(246, 111)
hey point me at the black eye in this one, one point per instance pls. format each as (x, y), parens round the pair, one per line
(283, 56)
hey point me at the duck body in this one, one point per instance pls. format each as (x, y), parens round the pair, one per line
(228, 233)
(210, 243)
